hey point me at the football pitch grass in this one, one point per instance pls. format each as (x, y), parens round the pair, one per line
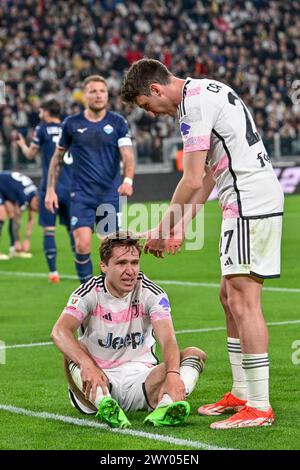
(34, 408)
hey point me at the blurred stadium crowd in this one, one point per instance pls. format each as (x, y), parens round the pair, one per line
(47, 48)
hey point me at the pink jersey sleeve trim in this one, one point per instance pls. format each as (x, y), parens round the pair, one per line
(160, 316)
(75, 313)
(192, 144)
(230, 211)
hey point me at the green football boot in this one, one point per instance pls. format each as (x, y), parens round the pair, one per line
(110, 412)
(170, 415)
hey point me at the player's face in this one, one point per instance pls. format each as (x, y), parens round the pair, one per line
(96, 96)
(157, 103)
(122, 270)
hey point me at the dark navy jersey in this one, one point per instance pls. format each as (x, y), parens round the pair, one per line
(46, 136)
(17, 188)
(95, 150)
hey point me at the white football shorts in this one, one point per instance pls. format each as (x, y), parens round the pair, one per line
(126, 387)
(251, 246)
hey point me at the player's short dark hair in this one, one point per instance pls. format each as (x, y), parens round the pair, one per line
(52, 106)
(120, 238)
(94, 78)
(139, 77)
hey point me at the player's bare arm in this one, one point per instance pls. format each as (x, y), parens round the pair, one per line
(57, 161)
(63, 337)
(200, 197)
(190, 184)
(126, 189)
(29, 151)
(173, 385)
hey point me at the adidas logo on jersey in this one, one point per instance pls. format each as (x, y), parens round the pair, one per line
(131, 339)
(107, 316)
(228, 262)
(82, 130)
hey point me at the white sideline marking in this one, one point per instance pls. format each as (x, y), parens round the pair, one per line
(219, 328)
(158, 281)
(212, 284)
(28, 345)
(178, 332)
(128, 432)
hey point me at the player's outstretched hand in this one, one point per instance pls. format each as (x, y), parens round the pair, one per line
(156, 246)
(170, 245)
(125, 189)
(51, 200)
(174, 245)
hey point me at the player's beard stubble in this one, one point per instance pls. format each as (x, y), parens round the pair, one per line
(97, 109)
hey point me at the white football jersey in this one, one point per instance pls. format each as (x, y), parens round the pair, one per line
(212, 117)
(119, 330)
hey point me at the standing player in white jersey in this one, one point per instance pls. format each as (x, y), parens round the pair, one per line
(113, 365)
(222, 147)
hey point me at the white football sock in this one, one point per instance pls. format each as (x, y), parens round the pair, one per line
(256, 367)
(75, 373)
(190, 369)
(165, 401)
(239, 385)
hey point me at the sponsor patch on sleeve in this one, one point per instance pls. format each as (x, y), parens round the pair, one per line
(165, 303)
(73, 301)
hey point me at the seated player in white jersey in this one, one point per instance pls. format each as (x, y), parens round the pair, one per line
(112, 367)
(221, 146)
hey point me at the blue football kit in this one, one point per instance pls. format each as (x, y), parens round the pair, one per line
(96, 168)
(46, 137)
(16, 188)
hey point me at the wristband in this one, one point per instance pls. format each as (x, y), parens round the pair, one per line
(173, 372)
(128, 180)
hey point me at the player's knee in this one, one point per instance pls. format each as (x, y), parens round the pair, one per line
(82, 246)
(193, 351)
(237, 306)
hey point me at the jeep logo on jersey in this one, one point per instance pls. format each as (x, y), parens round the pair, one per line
(164, 303)
(132, 339)
(108, 129)
(185, 128)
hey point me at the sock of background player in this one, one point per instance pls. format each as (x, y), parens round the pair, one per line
(50, 249)
(83, 266)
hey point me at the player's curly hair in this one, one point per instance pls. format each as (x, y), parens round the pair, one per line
(139, 77)
(121, 238)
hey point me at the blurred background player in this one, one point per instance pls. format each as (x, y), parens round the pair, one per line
(17, 193)
(222, 146)
(19, 246)
(98, 139)
(113, 365)
(45, 138)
